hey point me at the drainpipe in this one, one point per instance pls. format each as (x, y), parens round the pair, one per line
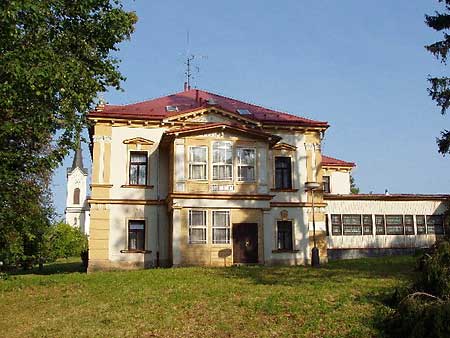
(157, 210)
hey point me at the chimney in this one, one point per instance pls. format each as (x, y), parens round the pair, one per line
(196, 95)
(386, 192)
(185, 86)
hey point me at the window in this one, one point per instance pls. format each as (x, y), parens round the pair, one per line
(221, 227)
(222, 161)
(352, 224)
(198, 163)
(420, 222)
(394, 225)
(284, 235)
(379, 225)
(138, 168)
(136, 235)
(336, 225)
(409, 225)
(246, 164)
(435, 224)
(76, 196)
(367, 225)
(197, 226)
(283, 178)
(326, 184)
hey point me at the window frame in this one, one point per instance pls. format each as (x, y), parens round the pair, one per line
(204, 227)
(378, 226)
(144, 232)
(239, 164)
(368, 225)
(409, 226)
(191, 163)
(291, 242)
(76, 196)
(388, 226)
(433, 226)
(352, 233)
(289, 170)
(422, 226)
(130, 153)
(227, 228)
(336, 225)
(326, 184)
(220, 164)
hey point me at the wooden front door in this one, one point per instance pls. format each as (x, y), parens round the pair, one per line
(245, 243)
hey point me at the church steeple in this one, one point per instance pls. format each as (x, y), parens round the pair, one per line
(78, 158)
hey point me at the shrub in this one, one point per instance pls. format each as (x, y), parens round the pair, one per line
(65, 241)
(423, 309)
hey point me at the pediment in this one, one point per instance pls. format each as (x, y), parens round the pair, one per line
(284, 146)
(211, 115)
(139, 140)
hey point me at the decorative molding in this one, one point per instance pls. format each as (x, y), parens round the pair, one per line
(102, 138)
(139, 140)
(125, 201)
(284, 146)
(232, 196)
(309, 146)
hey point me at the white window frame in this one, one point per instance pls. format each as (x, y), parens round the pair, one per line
(240, 165)
(198, 226)
(228, 227)
(222, 163)
(197, 163)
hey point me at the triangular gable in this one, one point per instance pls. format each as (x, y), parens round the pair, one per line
(284, 146)
(139, 140)
(214, 127)
(195, 116)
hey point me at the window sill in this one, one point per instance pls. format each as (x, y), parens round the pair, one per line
(285, 251)
(136, 251)
(137, 186)
(284, 190)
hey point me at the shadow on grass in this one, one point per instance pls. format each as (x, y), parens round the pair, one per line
(61, 266)
(338, 271)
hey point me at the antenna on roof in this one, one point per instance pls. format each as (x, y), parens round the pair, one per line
(189, 64)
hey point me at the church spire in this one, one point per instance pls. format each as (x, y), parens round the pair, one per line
(78, 158)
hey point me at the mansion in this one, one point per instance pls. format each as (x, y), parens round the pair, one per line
(196, 178)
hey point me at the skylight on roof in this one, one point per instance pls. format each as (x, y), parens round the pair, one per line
(243, 111)
(171, 108)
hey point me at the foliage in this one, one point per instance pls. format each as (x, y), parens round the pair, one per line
(55, 56)
(353, 188)
(440, 86)
(338, 300)
(423, 309)
(63, 241)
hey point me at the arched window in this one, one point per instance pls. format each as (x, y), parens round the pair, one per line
(76, 196)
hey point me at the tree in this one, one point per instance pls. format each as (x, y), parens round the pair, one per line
(353, 188)
(55, 56)
(440, 86)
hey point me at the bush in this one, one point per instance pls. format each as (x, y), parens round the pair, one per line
(423, 309)
(65, 241)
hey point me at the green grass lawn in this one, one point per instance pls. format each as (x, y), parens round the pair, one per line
(341, 299)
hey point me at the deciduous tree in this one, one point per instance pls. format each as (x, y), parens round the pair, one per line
(55, 56)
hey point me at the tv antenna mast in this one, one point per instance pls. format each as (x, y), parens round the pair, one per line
(189, 63)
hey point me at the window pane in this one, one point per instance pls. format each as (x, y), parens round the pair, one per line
(197, 235)
(283, 173)
(336, 228)
(197, 217)
(246, 156)
(136, 235)
(246, 173)
(420, 223)
(352, 224)
(142, 172)
(394, 225)
(221, 235)
(435, 224)
(198, 171)
(221, 218)
(379, 224)
(326, 184)
(284, 235)
(134, 174)
(409, 225)
(367, 224)
(198, 154)
(137, 157)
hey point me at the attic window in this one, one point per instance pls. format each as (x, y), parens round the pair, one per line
(171, 108)
(243, 111)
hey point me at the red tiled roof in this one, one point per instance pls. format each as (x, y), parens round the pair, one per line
(334, 162)
(391, 197)
(190, 100)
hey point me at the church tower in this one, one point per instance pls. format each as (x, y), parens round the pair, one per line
(77, 209)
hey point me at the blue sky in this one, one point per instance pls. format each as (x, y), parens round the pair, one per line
(360, 65)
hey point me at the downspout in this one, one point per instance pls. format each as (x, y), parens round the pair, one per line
(157, 210)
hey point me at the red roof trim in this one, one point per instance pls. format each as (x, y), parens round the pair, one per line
(334, 162)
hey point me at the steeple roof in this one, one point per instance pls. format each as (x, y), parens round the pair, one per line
(78, 160)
